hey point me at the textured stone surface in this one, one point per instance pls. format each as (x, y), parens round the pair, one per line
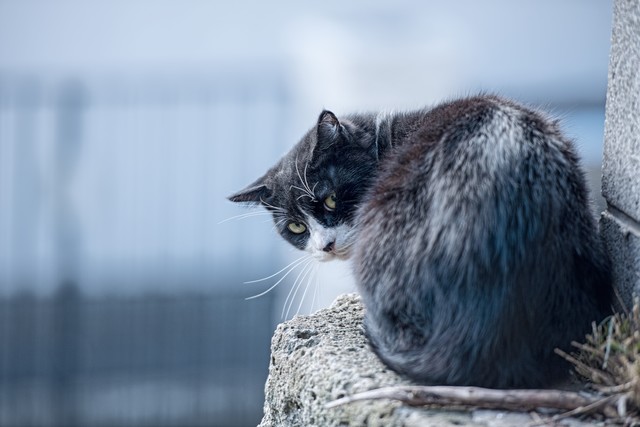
(622, 240)
(319, 358)
(620, 224)
(621, 164)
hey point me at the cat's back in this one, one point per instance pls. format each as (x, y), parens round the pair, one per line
(477, 134)
(480, 211)
(477, 160)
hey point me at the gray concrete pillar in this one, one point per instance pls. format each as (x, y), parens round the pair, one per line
(620, 223)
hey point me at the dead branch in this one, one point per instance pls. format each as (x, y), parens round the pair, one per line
(521, 400)
(581, 410)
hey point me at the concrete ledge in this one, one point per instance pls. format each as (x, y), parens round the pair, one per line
(319, 358)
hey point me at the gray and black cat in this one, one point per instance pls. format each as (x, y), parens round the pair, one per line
(470, 231)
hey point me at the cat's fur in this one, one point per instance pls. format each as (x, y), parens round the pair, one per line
(470, 230)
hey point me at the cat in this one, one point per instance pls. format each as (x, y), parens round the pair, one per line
(469, 226)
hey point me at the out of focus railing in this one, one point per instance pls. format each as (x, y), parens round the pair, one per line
(120, 298)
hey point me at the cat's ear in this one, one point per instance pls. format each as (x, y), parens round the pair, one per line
(254, 193)
(328, 125)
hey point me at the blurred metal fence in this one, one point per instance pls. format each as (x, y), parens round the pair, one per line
(119, 298)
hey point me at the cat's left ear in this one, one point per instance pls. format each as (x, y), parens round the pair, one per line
(254, 193)
(328, 125)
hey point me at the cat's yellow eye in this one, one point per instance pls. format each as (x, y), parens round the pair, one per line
(330, 202)
(297, 227)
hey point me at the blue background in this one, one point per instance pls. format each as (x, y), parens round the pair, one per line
(123, 126)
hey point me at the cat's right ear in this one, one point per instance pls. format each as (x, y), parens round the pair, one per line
(254, 193)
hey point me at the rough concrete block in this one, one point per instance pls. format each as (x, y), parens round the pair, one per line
(316, 359)
(319, 358)
(622, 241)
(621, 164)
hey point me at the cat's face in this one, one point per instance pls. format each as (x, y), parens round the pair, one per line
(313, 192)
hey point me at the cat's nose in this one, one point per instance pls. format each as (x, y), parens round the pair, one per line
(330, 247)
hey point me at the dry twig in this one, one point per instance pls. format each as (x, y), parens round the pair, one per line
(476, 397)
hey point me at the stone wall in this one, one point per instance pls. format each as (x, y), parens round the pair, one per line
(620, 223)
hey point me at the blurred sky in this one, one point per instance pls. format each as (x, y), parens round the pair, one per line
(341, 55)
(353, 54)
(124, 124)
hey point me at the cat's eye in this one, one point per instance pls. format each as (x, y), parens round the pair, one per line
(330, 202)
(297, 227)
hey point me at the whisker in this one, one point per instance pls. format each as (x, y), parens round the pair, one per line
(304, 195)
(315, 290)
(306, 183)
(314, 270)
(305, 192)
(305, 186)
(296, 286)
(275, 208)
(244, 215)
(295, 282)
(273, 286)
(292, 266)
(344, 248)
(278, 223)
(298, 172)
(267, 291)
(298, 188)
(301, 259)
